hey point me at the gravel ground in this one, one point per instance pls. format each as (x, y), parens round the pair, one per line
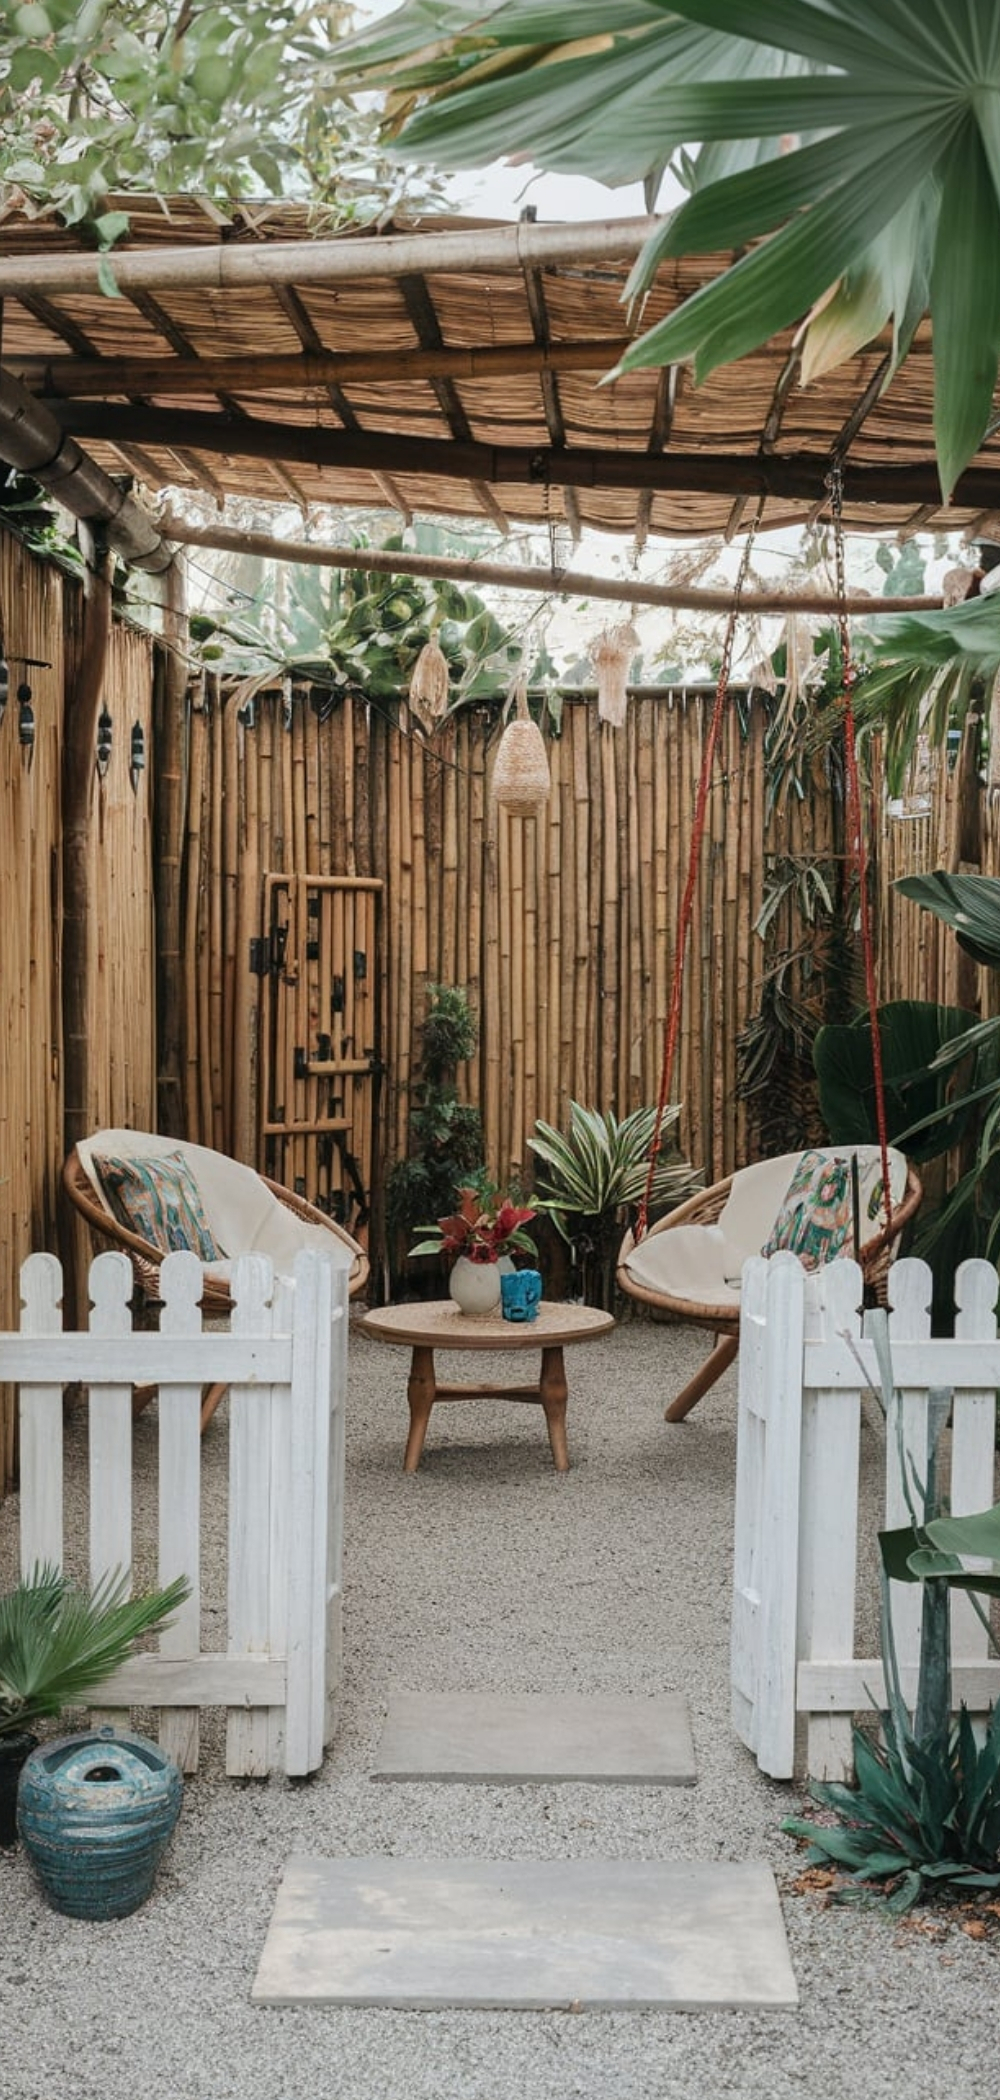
(487, 1571)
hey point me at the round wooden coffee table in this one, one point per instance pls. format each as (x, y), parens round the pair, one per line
(440, 1325)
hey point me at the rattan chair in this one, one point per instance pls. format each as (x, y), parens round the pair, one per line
(83, 1189)
(688, 1264)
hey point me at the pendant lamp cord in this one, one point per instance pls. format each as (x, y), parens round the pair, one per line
(857, 857)
(694, 857)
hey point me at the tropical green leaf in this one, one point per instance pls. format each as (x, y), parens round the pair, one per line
(911, 1034)
(896, 111)
(969, 904)
(966, 304)
(57, 1642)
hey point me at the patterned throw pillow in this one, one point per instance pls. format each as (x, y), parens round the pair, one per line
(814, 1220)
(157, 1197)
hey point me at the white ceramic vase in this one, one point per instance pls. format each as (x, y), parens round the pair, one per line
(475, 1286)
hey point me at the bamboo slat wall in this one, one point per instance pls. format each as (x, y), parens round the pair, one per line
(31, 625)
(39, 616)
(561, 927)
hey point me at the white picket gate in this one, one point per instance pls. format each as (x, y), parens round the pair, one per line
(285, 1361)
(803, 1363)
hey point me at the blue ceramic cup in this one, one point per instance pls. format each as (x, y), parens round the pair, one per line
(521, 1294)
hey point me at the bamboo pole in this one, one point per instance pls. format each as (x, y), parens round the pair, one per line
(213, 1005)
(336, 261)
(451, 881)
(308, 371)
(517, 922)
(550, 581)
(167, 762)
(608, 1070)
(468, 752)
(247, 1105)
(79, 747)
(564, 1077)
(192, 910)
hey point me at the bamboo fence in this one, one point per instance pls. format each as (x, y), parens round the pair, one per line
(561, 928)
(39, 619)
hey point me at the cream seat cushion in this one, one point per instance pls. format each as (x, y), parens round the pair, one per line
(242, 1214)
(704, 1263)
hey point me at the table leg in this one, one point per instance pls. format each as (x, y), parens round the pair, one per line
(421, 1392)
(553, 1393)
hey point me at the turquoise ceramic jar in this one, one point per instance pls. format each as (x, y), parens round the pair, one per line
(95, 1813)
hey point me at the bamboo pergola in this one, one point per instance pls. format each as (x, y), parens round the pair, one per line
(455, 367)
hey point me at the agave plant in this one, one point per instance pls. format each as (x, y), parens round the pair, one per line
(924, 1813)
(591, 1174)
(57, 1642)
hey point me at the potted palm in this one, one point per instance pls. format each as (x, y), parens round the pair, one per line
(57, 1643)
(590, 1177)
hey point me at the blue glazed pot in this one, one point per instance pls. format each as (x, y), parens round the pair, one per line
(14, 1749)
(95, 1813)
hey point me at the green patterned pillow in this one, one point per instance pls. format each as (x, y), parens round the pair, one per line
(814, 1220)
(157, 1197)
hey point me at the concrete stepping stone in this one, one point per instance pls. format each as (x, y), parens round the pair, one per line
(512, 1738)
(587, 1935)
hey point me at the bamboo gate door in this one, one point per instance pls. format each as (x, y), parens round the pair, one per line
(319, 1022)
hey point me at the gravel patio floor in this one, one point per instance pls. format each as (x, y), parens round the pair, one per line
(486, 1571)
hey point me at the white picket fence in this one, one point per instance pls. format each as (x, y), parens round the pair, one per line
(285, 1361)
(802, 1366)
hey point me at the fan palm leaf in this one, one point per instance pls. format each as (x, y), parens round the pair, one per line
(884, 207)
(58, 1642)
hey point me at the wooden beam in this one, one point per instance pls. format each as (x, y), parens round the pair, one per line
(309, 370)
(564, 583)
(667, 390)
(344, 260)
(798, 477)
(165, 325)
(427, 328)
(297, 313)
(551, 400)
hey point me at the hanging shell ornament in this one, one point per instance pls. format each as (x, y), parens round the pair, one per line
(429, 686)
(521, 778)
(611, 655)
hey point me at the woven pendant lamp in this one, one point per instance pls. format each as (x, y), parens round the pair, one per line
(521, 778)
(611, 655)
(429, 689)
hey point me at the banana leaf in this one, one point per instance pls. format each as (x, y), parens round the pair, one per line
(911, 1033)
(969, 904)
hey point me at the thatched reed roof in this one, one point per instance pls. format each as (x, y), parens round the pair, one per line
(429, 385)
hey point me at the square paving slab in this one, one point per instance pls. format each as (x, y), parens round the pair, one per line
(593, 1935)
(517, 1737)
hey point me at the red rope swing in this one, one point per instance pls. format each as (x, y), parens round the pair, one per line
(855, 850)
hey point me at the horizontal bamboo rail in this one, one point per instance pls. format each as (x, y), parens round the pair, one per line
(525, 576)
(345, 260)
(312, 369)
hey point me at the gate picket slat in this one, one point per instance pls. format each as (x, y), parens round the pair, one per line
(909, 1320)
(779, 1546)
(110, 1418)
(41, 1424)
(179, 1499)
(750, 1461)
(250, 1411)
(973, 1448)
(828, 1527)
